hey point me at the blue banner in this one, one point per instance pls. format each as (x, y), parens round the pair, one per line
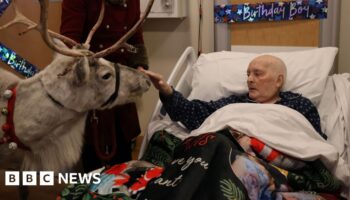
(10, 57)
(3, 5)
(273, 11)
(16, 62)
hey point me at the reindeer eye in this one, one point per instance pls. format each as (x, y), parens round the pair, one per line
(106, 76)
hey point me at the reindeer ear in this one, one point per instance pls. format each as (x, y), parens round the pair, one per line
(81, 71)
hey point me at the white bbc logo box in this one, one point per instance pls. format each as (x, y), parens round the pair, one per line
(29, 178)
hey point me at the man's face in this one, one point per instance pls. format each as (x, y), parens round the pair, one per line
(262, 82)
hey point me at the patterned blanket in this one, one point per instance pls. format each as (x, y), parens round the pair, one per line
(209, 166)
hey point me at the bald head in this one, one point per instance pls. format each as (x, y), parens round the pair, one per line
(273, 63)
(266, 76)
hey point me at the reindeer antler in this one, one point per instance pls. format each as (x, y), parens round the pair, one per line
(98, 23)
(42, 28)
(122, 41)
(46, 33)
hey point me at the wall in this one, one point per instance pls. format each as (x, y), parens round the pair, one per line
(283, 33)
(344, 39)
(329, 33)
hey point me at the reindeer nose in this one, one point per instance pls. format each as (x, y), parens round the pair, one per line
(148, 82)
(142, 86)
(145, 82)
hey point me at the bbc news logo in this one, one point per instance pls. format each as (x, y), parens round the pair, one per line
(47, 178)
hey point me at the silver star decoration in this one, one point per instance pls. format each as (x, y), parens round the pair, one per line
(228, 12)
(299, 2)
(281, 3)
(239, 12)
(251, 19)
(312, 16)
(325, 10)
(319, 1)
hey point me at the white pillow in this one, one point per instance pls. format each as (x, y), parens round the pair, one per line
(221, 74)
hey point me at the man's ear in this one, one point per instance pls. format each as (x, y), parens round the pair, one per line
(280, 81)
(81, 71)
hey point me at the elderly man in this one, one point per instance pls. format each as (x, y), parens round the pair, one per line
(265, 78)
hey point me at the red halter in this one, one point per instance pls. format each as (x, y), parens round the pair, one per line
(9, 127)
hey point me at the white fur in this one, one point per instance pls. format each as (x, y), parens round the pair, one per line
(55, 133)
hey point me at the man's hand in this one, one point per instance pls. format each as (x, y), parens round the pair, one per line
(158, 82)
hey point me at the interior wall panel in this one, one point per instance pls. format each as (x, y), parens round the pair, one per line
(283, 33)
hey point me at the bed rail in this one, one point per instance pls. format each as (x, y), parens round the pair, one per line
(180, 77)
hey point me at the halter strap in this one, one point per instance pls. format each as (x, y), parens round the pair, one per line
(9, 127)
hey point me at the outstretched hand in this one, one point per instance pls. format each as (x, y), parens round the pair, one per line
(158, 82)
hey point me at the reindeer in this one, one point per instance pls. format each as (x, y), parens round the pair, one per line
(43, 117)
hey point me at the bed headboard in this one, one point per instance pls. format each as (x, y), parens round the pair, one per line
(282, 33)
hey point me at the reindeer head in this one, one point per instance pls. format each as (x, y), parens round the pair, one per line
(85, 83)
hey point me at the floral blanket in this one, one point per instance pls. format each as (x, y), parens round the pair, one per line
(241, 151)
(209, 166)
(215, 166)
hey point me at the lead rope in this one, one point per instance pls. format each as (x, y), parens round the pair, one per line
(108, 152)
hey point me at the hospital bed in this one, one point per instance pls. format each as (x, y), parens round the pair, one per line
(174, 165)
(214, 75)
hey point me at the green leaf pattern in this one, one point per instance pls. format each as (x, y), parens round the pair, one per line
(230, 190)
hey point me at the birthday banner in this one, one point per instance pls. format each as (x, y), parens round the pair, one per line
(3, 5)
(272, 11)
(16, 62)
(10, 57)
